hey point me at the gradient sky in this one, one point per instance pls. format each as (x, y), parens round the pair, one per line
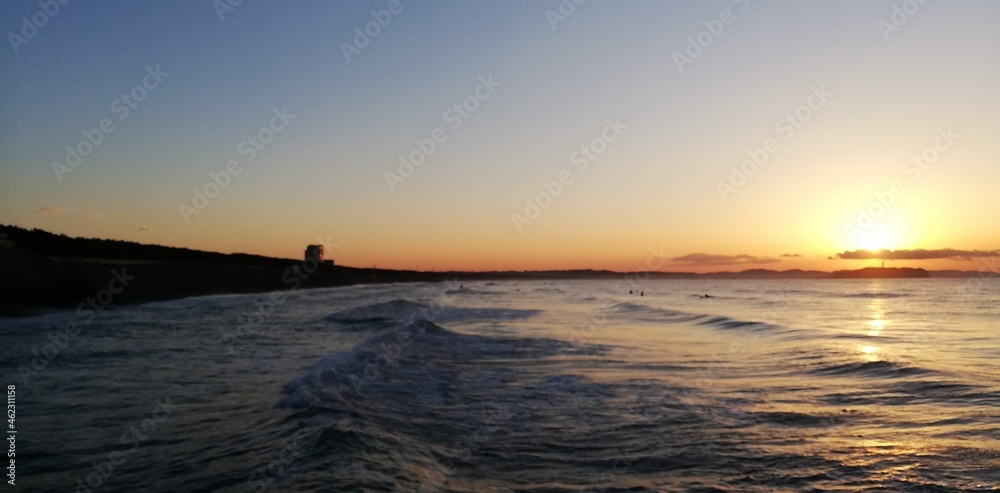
(322, 179)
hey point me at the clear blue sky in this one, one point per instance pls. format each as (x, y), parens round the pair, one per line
(657, 184)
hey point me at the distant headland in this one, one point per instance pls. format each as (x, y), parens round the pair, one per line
(880, 273)
(41, 270)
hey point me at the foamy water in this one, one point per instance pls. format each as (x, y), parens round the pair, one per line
(854, 385)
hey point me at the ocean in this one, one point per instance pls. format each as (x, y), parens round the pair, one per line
(541, 386)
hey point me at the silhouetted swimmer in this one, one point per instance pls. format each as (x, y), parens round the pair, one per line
(642, 293)
(630, 291)
(706, 296)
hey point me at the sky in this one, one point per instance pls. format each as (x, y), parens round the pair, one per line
(712, 135)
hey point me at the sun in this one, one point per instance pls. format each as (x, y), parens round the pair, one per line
(852, 228)
(875, 239)
(887, 235)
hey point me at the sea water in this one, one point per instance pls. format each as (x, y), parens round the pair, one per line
(542, 386)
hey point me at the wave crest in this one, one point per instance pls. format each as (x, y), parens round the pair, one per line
(878, 369)
(405, 312)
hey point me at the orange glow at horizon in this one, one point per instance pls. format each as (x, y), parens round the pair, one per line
(622, 246)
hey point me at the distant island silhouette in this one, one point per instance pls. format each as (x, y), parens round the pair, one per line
(39, 269)
(880, 273)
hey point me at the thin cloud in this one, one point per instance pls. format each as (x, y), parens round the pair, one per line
(95, 215)
(790, 255)
(710, 259)
(49, 210)
(144, 229)
(919, 254)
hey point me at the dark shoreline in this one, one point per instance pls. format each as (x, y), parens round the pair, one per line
(42, 271)
(34, 284)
